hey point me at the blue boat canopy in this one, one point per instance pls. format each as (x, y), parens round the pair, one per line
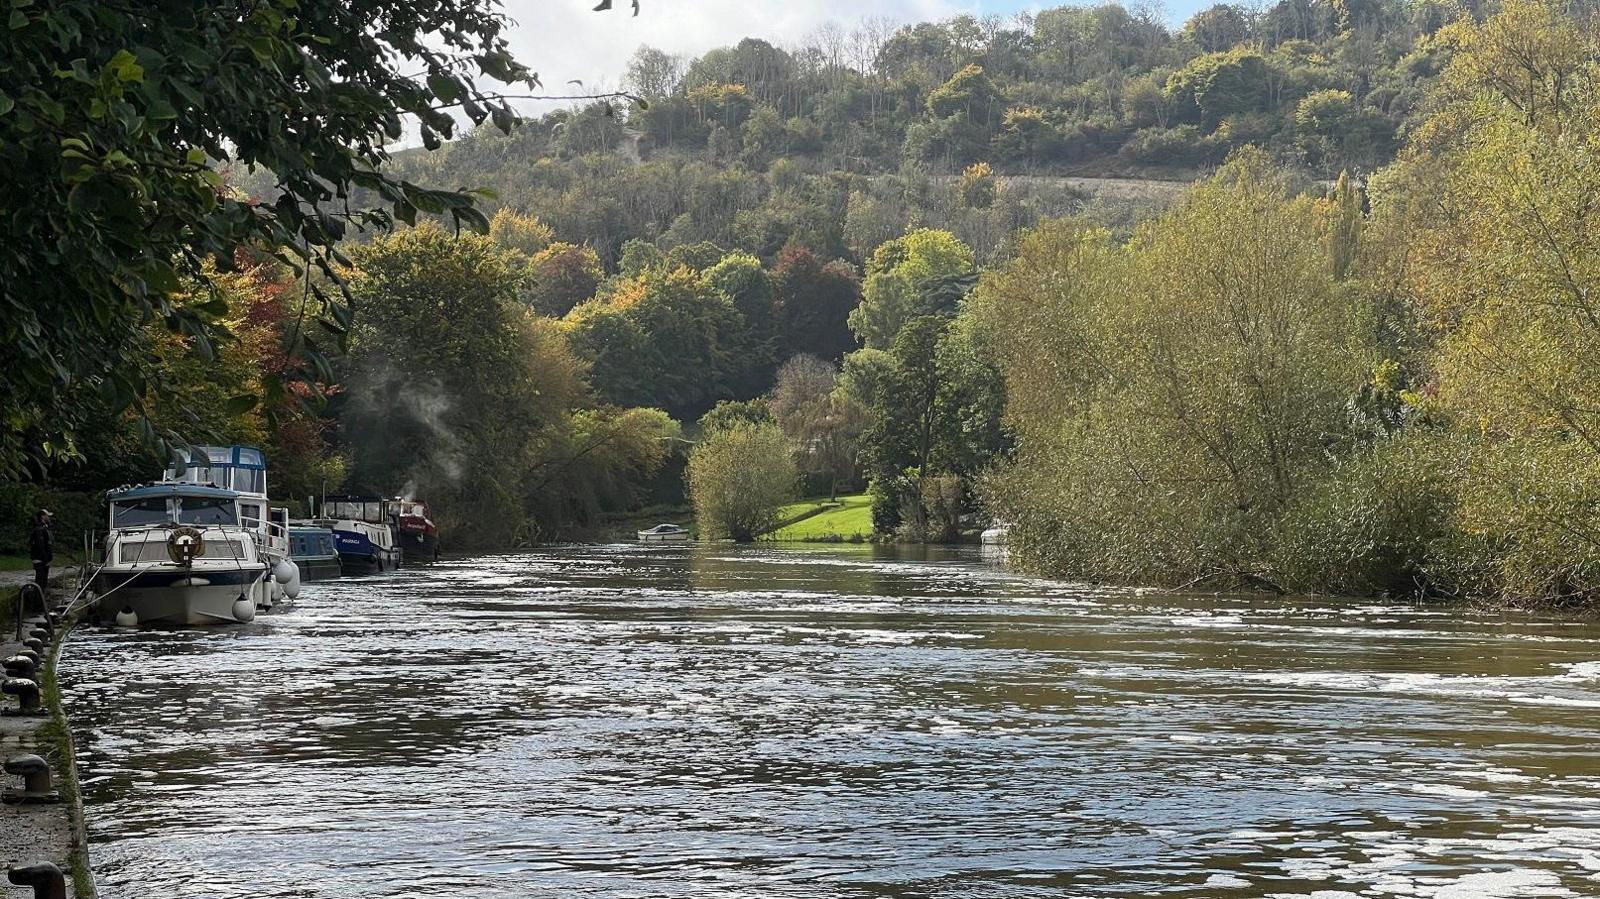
(233, 456)
(156, 491)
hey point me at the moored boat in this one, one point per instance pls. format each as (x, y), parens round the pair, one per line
(362, 534)
(414, 527)
(312, 548)
(664, 533)
(201, 546)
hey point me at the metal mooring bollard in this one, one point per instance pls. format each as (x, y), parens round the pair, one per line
(42, 634)
(35, 644)
(21, 666)
(27, 693)
(44, 877)
(35, 774)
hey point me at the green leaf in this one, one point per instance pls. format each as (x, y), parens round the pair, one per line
(244, 402)
(446, 88)
(473, 219)
(124, 66)
(503, 118)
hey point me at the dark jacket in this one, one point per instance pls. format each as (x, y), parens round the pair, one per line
(39, 545)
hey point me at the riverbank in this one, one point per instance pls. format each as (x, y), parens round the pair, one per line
(47, 831)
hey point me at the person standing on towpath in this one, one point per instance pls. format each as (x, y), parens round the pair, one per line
(41, 549)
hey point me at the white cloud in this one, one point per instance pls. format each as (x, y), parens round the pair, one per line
(566, 40)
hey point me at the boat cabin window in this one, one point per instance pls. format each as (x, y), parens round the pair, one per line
(249, 480)
(226, 549)
(359, 511)
(139, 513)
(205, 510)
(143, 551)
(250, 510)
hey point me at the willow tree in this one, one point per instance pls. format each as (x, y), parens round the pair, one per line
(739, 477)
(1171, 397)
(454, 388)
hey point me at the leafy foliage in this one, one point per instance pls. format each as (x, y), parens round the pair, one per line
(113, 120)
(456, 391)
(1172, 397)
(739, 477)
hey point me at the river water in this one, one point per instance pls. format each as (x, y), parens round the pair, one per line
(854, 721)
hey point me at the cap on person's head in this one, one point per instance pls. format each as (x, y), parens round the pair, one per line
(46, 513)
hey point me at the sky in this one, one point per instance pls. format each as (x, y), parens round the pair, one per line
(564, 39)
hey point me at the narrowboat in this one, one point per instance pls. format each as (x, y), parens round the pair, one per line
(312, 548)
(362, 534)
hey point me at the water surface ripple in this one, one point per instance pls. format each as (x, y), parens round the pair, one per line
(627, 721)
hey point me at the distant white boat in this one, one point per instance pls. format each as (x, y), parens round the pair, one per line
(997, 534)
(664, 533)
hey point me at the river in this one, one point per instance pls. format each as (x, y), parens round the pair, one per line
(627, 721)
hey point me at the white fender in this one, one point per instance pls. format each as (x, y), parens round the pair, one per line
(287, 573)
(127, 617)
(243, 609)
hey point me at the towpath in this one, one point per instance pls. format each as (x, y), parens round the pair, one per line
(35, 832)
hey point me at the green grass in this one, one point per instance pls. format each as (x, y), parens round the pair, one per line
(23, 563)
(816, 520)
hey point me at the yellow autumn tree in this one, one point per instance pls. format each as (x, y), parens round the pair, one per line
(1496, 200)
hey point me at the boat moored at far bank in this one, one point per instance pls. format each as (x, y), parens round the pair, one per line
(664, 533)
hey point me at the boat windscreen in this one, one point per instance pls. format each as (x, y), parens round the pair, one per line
(139, 512)
(206, 510)
(355, 510)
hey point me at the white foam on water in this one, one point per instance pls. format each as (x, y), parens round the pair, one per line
(1207, 621)
(1225, 880)
(1448, 790)
(1582, 670)
(1506, 776)
(1504, 885)
(1557, 700)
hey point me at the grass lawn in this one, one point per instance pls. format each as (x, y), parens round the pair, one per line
(15, 563)
(849, 517)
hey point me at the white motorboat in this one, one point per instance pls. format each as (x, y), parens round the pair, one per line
(200, 546)
(664, 533)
